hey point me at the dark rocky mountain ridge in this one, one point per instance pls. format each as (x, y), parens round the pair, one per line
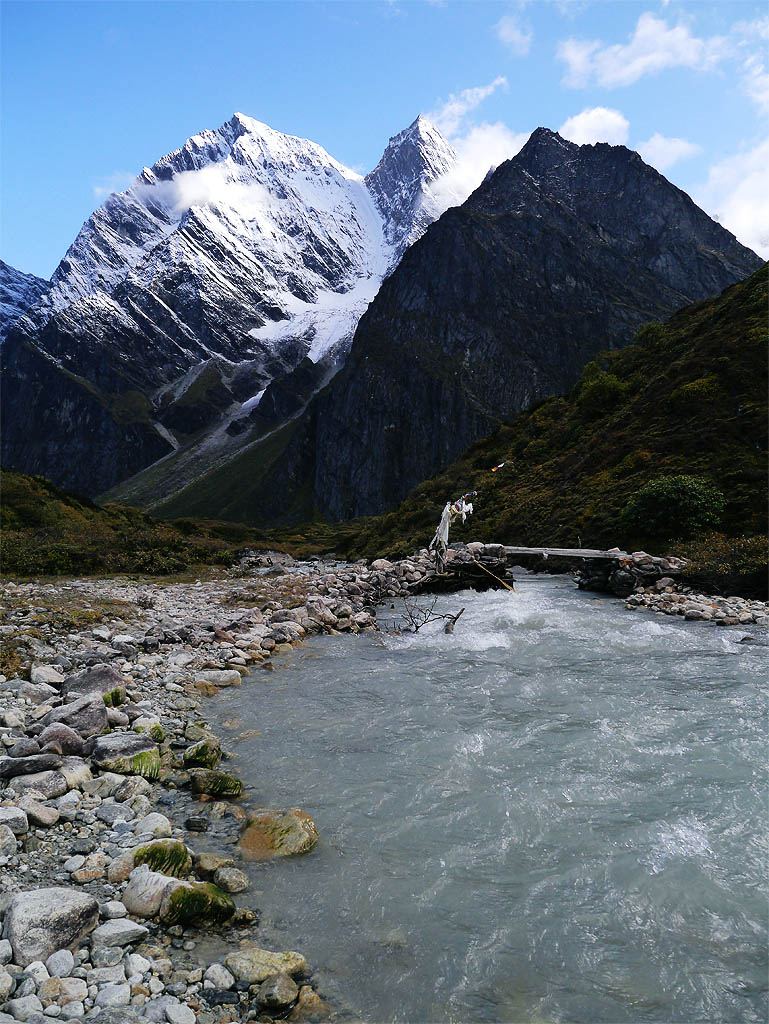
(563, 252)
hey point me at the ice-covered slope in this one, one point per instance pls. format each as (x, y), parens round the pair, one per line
(18, 291)
(246, 247)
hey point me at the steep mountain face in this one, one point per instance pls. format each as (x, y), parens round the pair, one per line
(563, 252)
(18, 291)
(245, 251)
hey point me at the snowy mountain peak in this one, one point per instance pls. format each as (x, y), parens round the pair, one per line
(400, 183)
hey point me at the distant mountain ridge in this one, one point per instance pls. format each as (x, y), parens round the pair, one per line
(234, 258)
(18, 291)
(563, 252)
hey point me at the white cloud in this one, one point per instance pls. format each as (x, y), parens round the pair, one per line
(653, 46)
(596, 124)
(755, 82)
(116, 182)
(736, 194)
(483, 147)
(213, 185)
(479, 147)
(449, 117)
(662, 152)
(510, 31)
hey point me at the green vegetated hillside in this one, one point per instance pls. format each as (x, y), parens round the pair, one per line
(688, 398)
(47, 531)
(662, 442)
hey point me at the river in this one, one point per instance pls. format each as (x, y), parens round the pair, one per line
(556, 814)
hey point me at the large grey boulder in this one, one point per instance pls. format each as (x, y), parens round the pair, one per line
(86, 715)
(10, 767)
(98, 681)
(15, 818)
(42, 921)
(46, 785)
(61, 737)
(127, 753)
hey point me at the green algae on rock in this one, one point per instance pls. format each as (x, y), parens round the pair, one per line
(196, 903)
(270, 833)
(206, 753)
(168, 856)
(215, 783)
(127, 754)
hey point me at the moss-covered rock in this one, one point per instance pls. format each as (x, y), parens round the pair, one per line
(196, 903)
(271, 834)
(127, 753)
(206, 753)
(114, 697)
(215, 783)
(157, 734)
(168, 856)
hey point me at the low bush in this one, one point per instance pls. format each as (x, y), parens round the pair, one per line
(673, 506)
(728, 565)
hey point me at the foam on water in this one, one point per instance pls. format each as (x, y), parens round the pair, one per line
(554, 813)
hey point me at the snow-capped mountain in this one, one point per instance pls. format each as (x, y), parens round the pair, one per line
(400, 182)
(18, 291)
(228, 261)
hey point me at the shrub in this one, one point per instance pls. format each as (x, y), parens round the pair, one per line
(696, 395)
(601, 394)
(728, 565)
(673, 506)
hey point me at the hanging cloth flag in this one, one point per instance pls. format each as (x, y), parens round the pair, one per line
(462, 508)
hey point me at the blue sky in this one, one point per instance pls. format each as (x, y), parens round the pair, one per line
(94, 91)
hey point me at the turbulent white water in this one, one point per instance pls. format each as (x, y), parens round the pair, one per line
(558, 813)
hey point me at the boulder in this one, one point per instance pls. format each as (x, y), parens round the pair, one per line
(118, 932)
(154, 823)
(219, 677)
(231, 879)
(46, 674)
(207, 864)
(277, 992)
(127, 753)
(98, 681)
(87, 716)
(46, 785)
(215, 783)
(10, 767)
(196, 903)
(206, 753)
(269, 833)
(7, 842)
(39, 693)
(75, 771)
(37, 813)
(42, 921)
(15, 818)
(168, 856)
(219, 977)
(145, 891)
(309, 1007)
(253, 965)
(65, 739)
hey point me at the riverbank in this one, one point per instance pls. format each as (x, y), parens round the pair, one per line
(117, 814)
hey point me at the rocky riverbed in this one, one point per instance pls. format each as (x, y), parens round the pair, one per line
(121, 829)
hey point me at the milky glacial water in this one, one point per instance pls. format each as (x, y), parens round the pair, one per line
(556, 814)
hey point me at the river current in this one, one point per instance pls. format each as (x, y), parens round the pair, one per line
(558, 813)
